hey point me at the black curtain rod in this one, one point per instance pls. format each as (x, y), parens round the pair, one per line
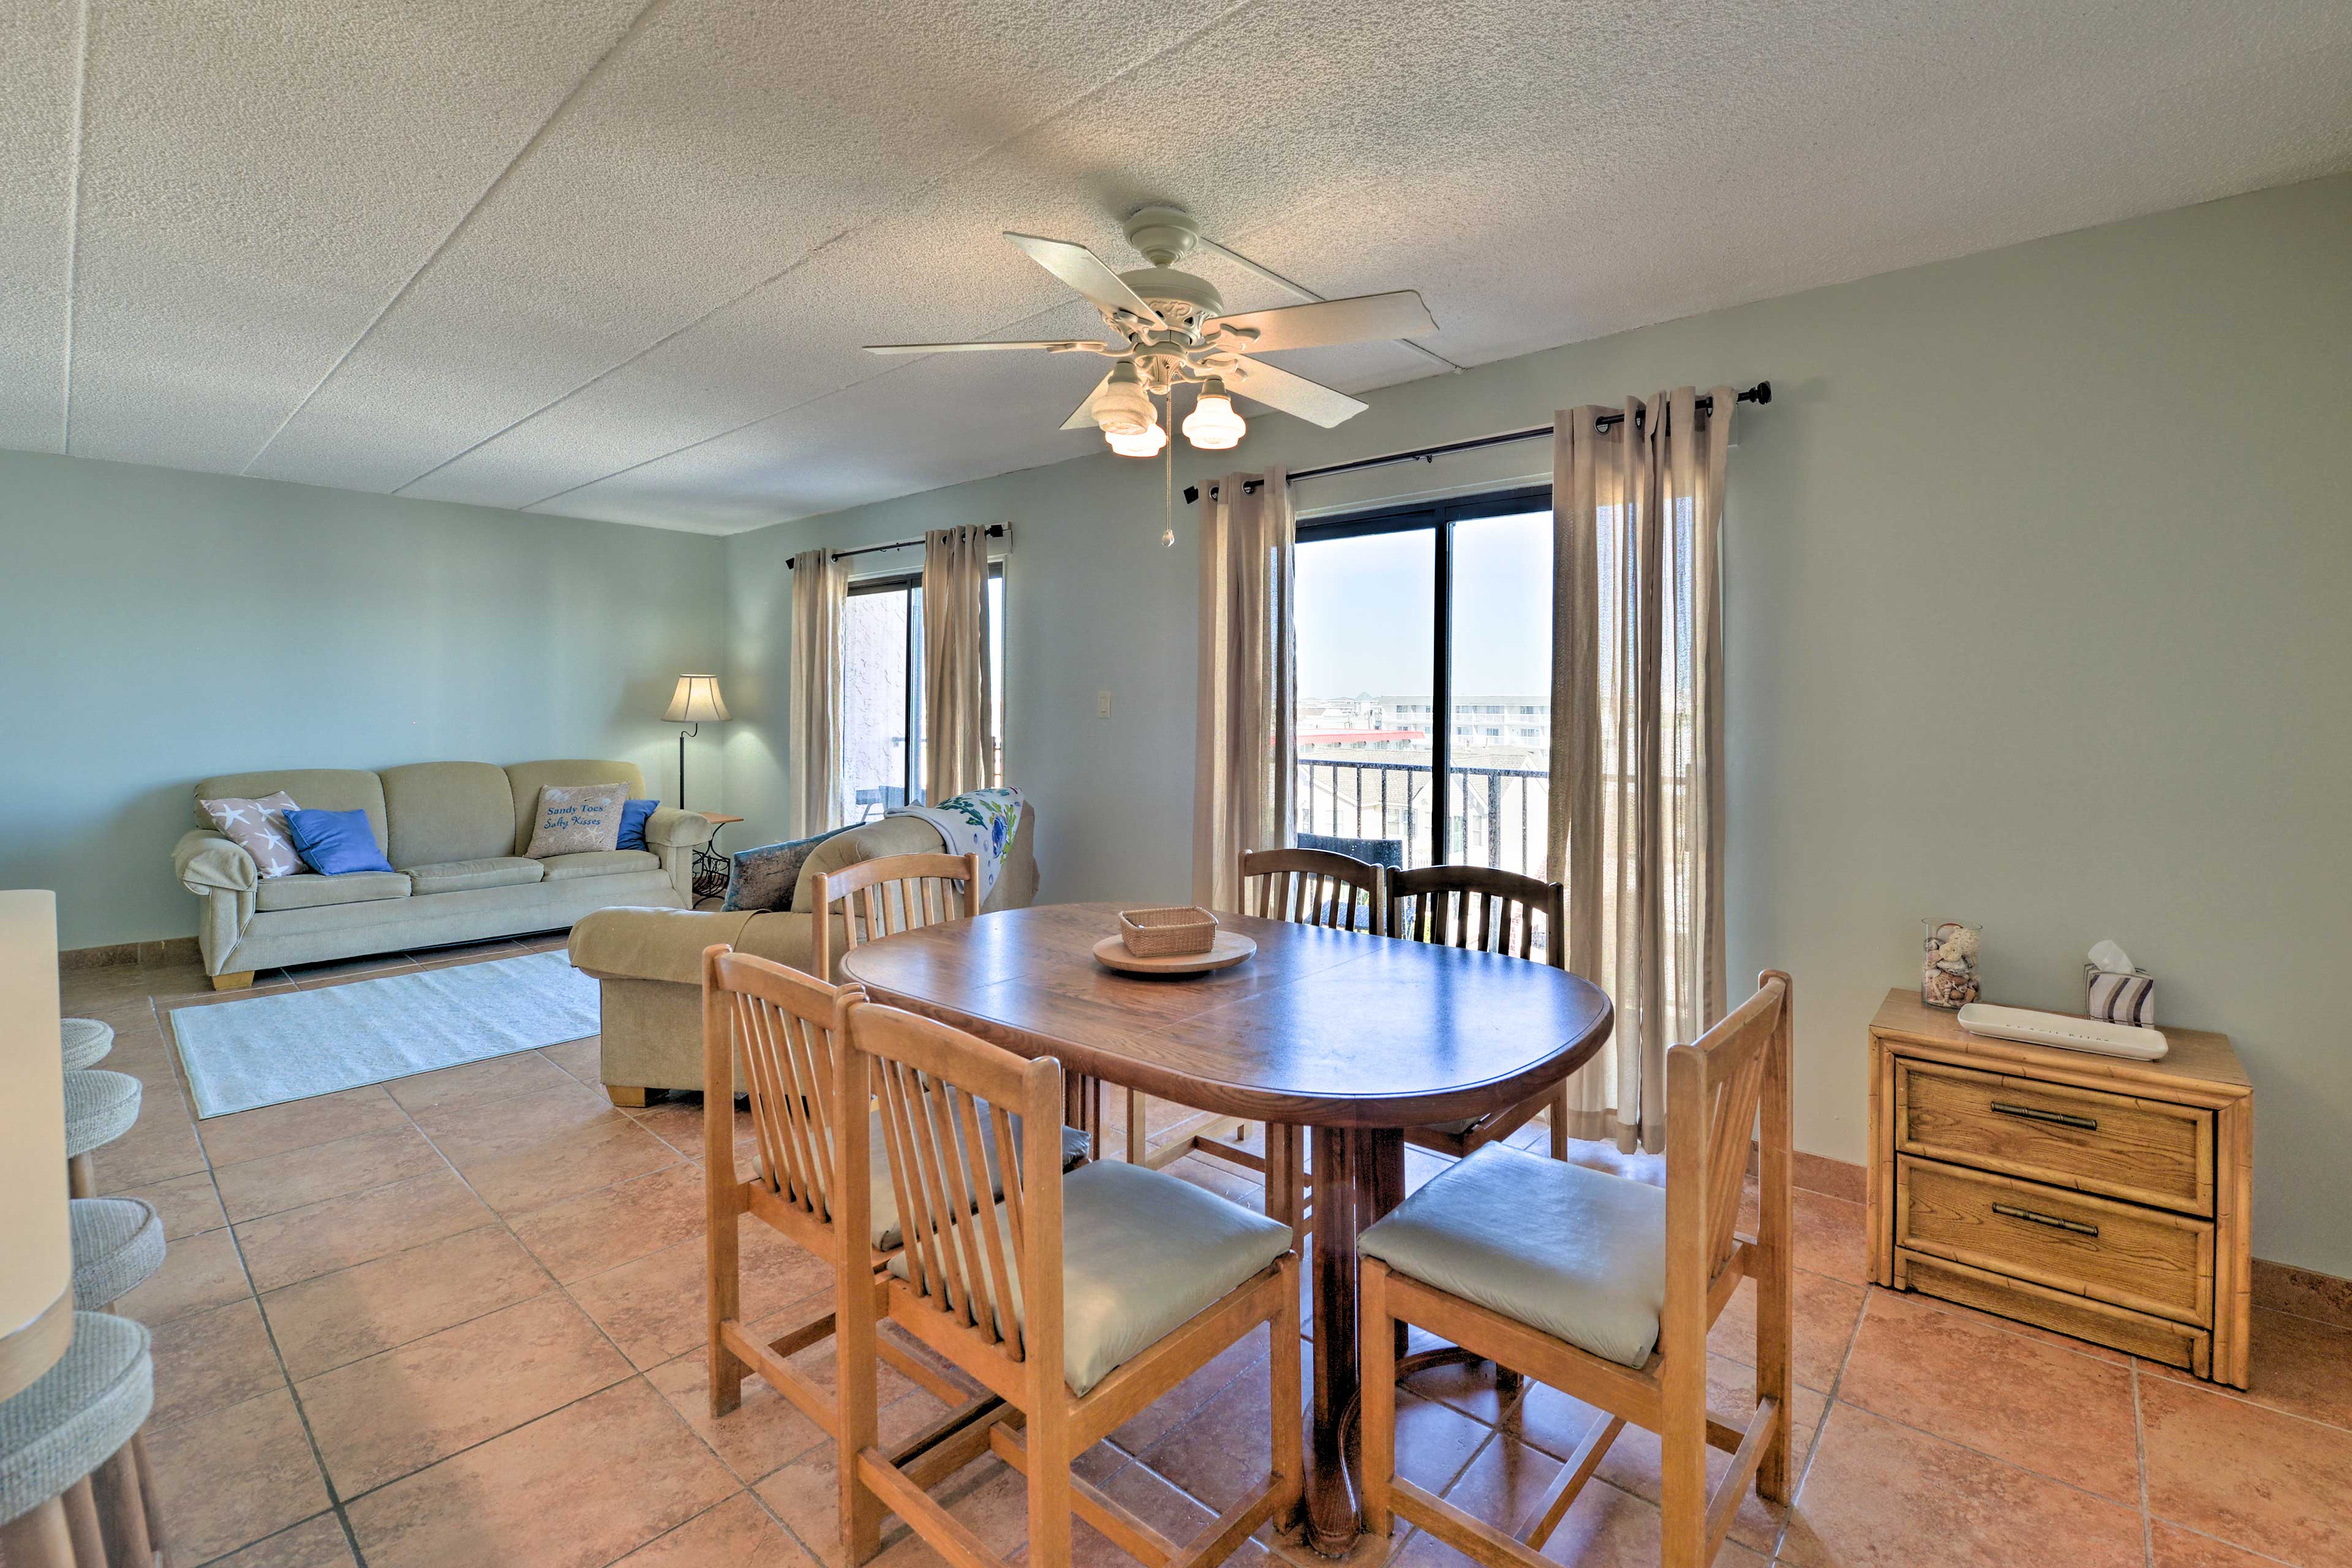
(994, 530)
(1761, 393)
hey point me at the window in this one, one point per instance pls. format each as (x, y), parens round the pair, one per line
(882, 691)
(1409, 613)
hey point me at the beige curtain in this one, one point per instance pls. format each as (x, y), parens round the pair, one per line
(959, 749)
(1636, 812)
(1242, 764)
(813, 764)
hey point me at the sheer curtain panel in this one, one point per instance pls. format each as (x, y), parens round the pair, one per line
(958, 707)
(1241, 764)
(1636, 812)
(812, 767)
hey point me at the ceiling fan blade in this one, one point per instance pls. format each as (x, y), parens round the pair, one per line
(1053, 346)
(1088, 273)
(1278, 389)
(1084, 419)
(1362, 317)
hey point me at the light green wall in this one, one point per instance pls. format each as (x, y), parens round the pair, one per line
(159, 626)
(2038, 569)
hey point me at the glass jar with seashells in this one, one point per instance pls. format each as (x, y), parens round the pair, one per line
(1947, 968)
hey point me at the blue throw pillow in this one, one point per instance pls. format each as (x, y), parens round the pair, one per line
(633, 823)
(334, 843)
(764, 878)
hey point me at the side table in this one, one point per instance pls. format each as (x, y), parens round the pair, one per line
(711, 867)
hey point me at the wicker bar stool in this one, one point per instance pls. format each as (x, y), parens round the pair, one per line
(118, 1245)
(101, 1107)
(78, 1418)
(86, 1041)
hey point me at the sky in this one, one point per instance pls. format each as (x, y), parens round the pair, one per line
(1365, 611)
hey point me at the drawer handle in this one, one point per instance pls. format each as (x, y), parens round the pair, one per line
(2034, 1113)
(2052, 1220)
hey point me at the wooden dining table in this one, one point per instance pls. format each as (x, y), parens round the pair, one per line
(1348, 1038)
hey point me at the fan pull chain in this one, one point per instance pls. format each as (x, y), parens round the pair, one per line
(1168, 535)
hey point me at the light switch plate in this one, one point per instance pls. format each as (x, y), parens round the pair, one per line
(1102, 704)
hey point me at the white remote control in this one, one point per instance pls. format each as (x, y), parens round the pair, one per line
(2067, 1032)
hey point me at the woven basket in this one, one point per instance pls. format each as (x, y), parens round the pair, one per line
(1176, 932)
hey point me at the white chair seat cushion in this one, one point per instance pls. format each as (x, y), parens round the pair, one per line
(100, 1106)
(117, 1245)
(885, 1210)
(1143, 1253)
(76, 1413)
(85, 1041)
(1574, 1253)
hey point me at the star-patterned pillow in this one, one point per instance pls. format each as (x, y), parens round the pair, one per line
(259, 827)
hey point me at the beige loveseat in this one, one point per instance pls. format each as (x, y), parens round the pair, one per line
(455, 834)
(650, 961)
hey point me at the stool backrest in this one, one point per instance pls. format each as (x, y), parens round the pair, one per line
(889, 894)
(1313, 887)
(971, 1259)
(784, 1027)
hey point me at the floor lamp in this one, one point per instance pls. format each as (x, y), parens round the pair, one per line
(695, 700)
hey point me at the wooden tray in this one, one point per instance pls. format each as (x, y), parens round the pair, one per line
(1229, 949)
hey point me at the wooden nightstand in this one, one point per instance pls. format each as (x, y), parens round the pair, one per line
(2103, 1198)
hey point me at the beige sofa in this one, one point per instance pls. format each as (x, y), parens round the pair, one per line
(455, 834)
(650, 961)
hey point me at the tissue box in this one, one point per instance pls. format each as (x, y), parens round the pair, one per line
(2120, 998)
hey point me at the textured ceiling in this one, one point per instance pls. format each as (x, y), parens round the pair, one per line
(613, 259)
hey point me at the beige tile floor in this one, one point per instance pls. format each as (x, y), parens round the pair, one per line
(456, 1320)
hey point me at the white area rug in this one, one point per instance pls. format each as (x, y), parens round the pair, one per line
(294, 1045)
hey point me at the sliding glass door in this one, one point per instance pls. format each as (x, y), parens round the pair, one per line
(882, 691)
(882, 696)
(1424, 682)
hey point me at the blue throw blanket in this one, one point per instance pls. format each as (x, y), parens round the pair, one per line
(978, 822)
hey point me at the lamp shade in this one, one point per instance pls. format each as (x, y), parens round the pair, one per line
(696, 702)
(1142, 443)
(1213, 426)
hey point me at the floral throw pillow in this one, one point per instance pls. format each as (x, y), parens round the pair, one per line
(577, 819)
(257, 828)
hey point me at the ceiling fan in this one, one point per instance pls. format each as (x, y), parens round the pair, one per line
(1170, 328)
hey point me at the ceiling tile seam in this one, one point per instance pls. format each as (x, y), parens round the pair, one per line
(73, 219)
(887, 209)
(905, 363)
(637, 25)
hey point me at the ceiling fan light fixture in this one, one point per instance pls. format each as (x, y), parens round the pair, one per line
(1123, 408)
(1144, 442)
(1213, 426)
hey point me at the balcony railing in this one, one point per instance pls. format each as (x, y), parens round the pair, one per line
(1496, 816)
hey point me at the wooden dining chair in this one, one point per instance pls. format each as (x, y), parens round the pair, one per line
(888, 895)
(1482, 910)
(1078, 1300)
(1314, 888)
(784, 1028)
(1605, 1288)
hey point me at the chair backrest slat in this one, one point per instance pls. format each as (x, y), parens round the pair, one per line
(1479, 908)
(793, 1090)
(1314, 886)
(966, 1256)
(888, 895)
(783, 1027)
